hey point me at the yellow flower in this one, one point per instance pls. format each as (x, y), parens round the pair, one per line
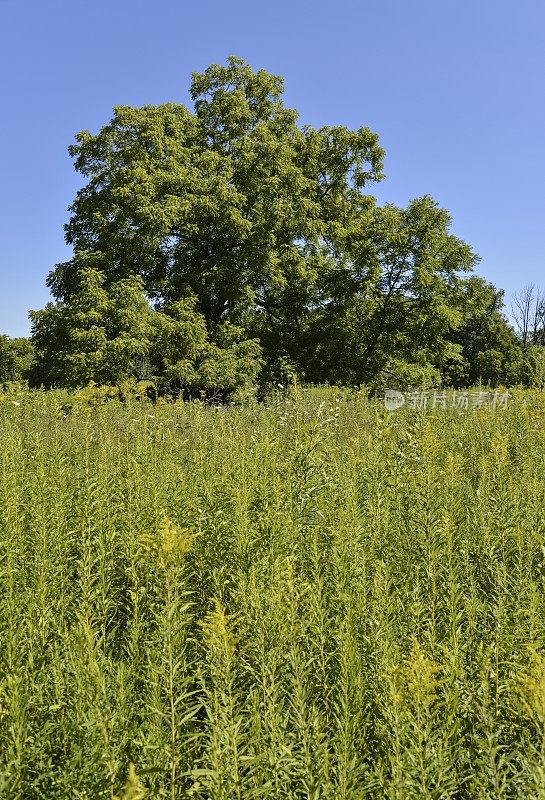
(170, 542)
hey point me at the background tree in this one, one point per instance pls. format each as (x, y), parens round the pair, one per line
(229, 205)
(534, 366)
(236, 242)
(489, 350)
(109, 333)
(92, 333)
(528, 310)
(15, 358)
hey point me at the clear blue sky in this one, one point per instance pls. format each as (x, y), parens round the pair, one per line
(454, 88)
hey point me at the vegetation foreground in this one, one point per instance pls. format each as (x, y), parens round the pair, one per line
(313, 598)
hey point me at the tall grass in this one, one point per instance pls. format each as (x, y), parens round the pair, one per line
(309, 599)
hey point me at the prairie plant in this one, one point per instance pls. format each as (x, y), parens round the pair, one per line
(313, 598)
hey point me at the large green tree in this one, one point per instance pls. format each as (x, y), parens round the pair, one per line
(228, 208)
(253, 235)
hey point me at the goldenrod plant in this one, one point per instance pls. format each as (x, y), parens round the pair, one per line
(311, 597)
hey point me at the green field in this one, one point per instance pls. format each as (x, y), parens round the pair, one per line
(306, 599)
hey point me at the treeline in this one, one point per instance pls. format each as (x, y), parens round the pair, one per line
(227, 248)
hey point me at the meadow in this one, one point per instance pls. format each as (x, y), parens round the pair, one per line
(306, 599)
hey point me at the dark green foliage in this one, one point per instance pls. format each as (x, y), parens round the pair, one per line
(15, 359)
(110, 333)
(92, 333)
(489, 351)
(390, 301)
(227, 244)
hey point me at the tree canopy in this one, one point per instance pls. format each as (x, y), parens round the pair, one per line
(229, 244)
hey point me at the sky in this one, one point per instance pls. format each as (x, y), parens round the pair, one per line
(454, 89)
